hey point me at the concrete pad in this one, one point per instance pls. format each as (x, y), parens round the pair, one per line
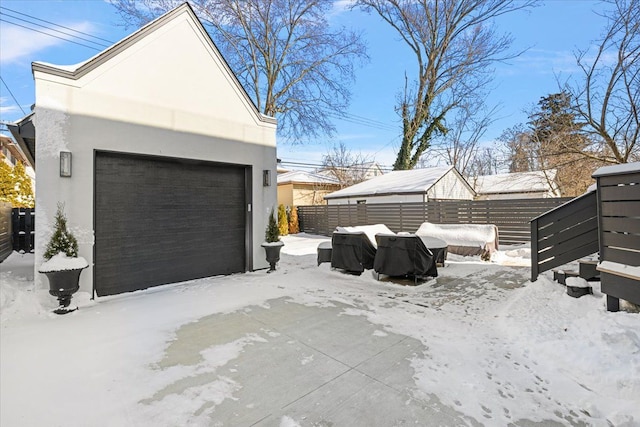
(315, 365)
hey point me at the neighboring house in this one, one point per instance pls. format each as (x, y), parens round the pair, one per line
(299, 188)
(170, 162)
(518, 185)
(13, 154)
(417, 185)
(369, 170)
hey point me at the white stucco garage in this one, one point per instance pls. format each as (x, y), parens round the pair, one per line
(168, 157)
(406, 186)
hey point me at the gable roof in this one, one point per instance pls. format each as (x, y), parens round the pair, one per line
(517, 182)
(302, 177)
(415, 181)
(75, 72)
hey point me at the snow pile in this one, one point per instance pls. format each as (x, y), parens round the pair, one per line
(624, 270)
(62, 262)
(598, 353)
(472, 235)
(369, 230)
(576, 282)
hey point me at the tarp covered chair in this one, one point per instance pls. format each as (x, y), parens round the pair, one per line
(352, 251)
(404, 255)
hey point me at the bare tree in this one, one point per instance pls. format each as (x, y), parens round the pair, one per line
(343, 165)
(294, 65)
(455, 45)
(518, 154)
(607, 96)
(460, 146)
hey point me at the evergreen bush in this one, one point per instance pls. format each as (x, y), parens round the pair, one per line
(283, 223)
(294, 226)
(62, 239)
(272, 234)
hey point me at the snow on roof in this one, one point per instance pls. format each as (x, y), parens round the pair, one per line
(618, 169)
(305, 177)
(396, 182)
(517, 182)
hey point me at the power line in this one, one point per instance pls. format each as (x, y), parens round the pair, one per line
(50, 35)
(359, 120)
(57, 25)
(12, 95)
(321, 165)
(49, 28)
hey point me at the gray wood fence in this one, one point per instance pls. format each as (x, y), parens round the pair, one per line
(512, 217)
(619, 235)
(564, 234)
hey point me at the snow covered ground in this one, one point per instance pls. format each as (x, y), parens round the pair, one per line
(494, 347)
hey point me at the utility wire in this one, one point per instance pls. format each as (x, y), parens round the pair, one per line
(56, 30)
(359, 120)
(57, 25)
(12, 95)
(320, 165)
(50, 35)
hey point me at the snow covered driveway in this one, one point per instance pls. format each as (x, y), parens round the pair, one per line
(313, 347)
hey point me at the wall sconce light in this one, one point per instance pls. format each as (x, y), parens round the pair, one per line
(65, 164)
(266, 178)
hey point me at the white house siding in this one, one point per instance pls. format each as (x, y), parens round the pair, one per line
(168, 93)
(509, 196)
(450, 187)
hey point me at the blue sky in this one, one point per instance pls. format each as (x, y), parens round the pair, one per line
(549, 33)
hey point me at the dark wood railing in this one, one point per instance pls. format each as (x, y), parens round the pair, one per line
(564, 234)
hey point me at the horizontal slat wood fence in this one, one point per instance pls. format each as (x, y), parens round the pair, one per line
(564, 234)
(510, 216)
(619, 200)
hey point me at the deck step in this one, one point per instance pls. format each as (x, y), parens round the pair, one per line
(561, 276)
(588, 270)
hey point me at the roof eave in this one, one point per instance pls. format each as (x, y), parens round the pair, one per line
(20, 130)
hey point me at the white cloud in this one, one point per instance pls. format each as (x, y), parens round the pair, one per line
(19, 43)
(8, 109)
(341, 6)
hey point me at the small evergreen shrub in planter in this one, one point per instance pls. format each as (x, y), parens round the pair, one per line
(272, 244)
(63, 265)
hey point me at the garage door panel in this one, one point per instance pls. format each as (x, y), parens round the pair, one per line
(161, 221)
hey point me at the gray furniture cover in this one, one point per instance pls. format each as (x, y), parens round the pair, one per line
(438, 247)
(352, 251)
(404, 255)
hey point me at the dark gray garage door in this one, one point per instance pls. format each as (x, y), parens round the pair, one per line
(161, 221)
